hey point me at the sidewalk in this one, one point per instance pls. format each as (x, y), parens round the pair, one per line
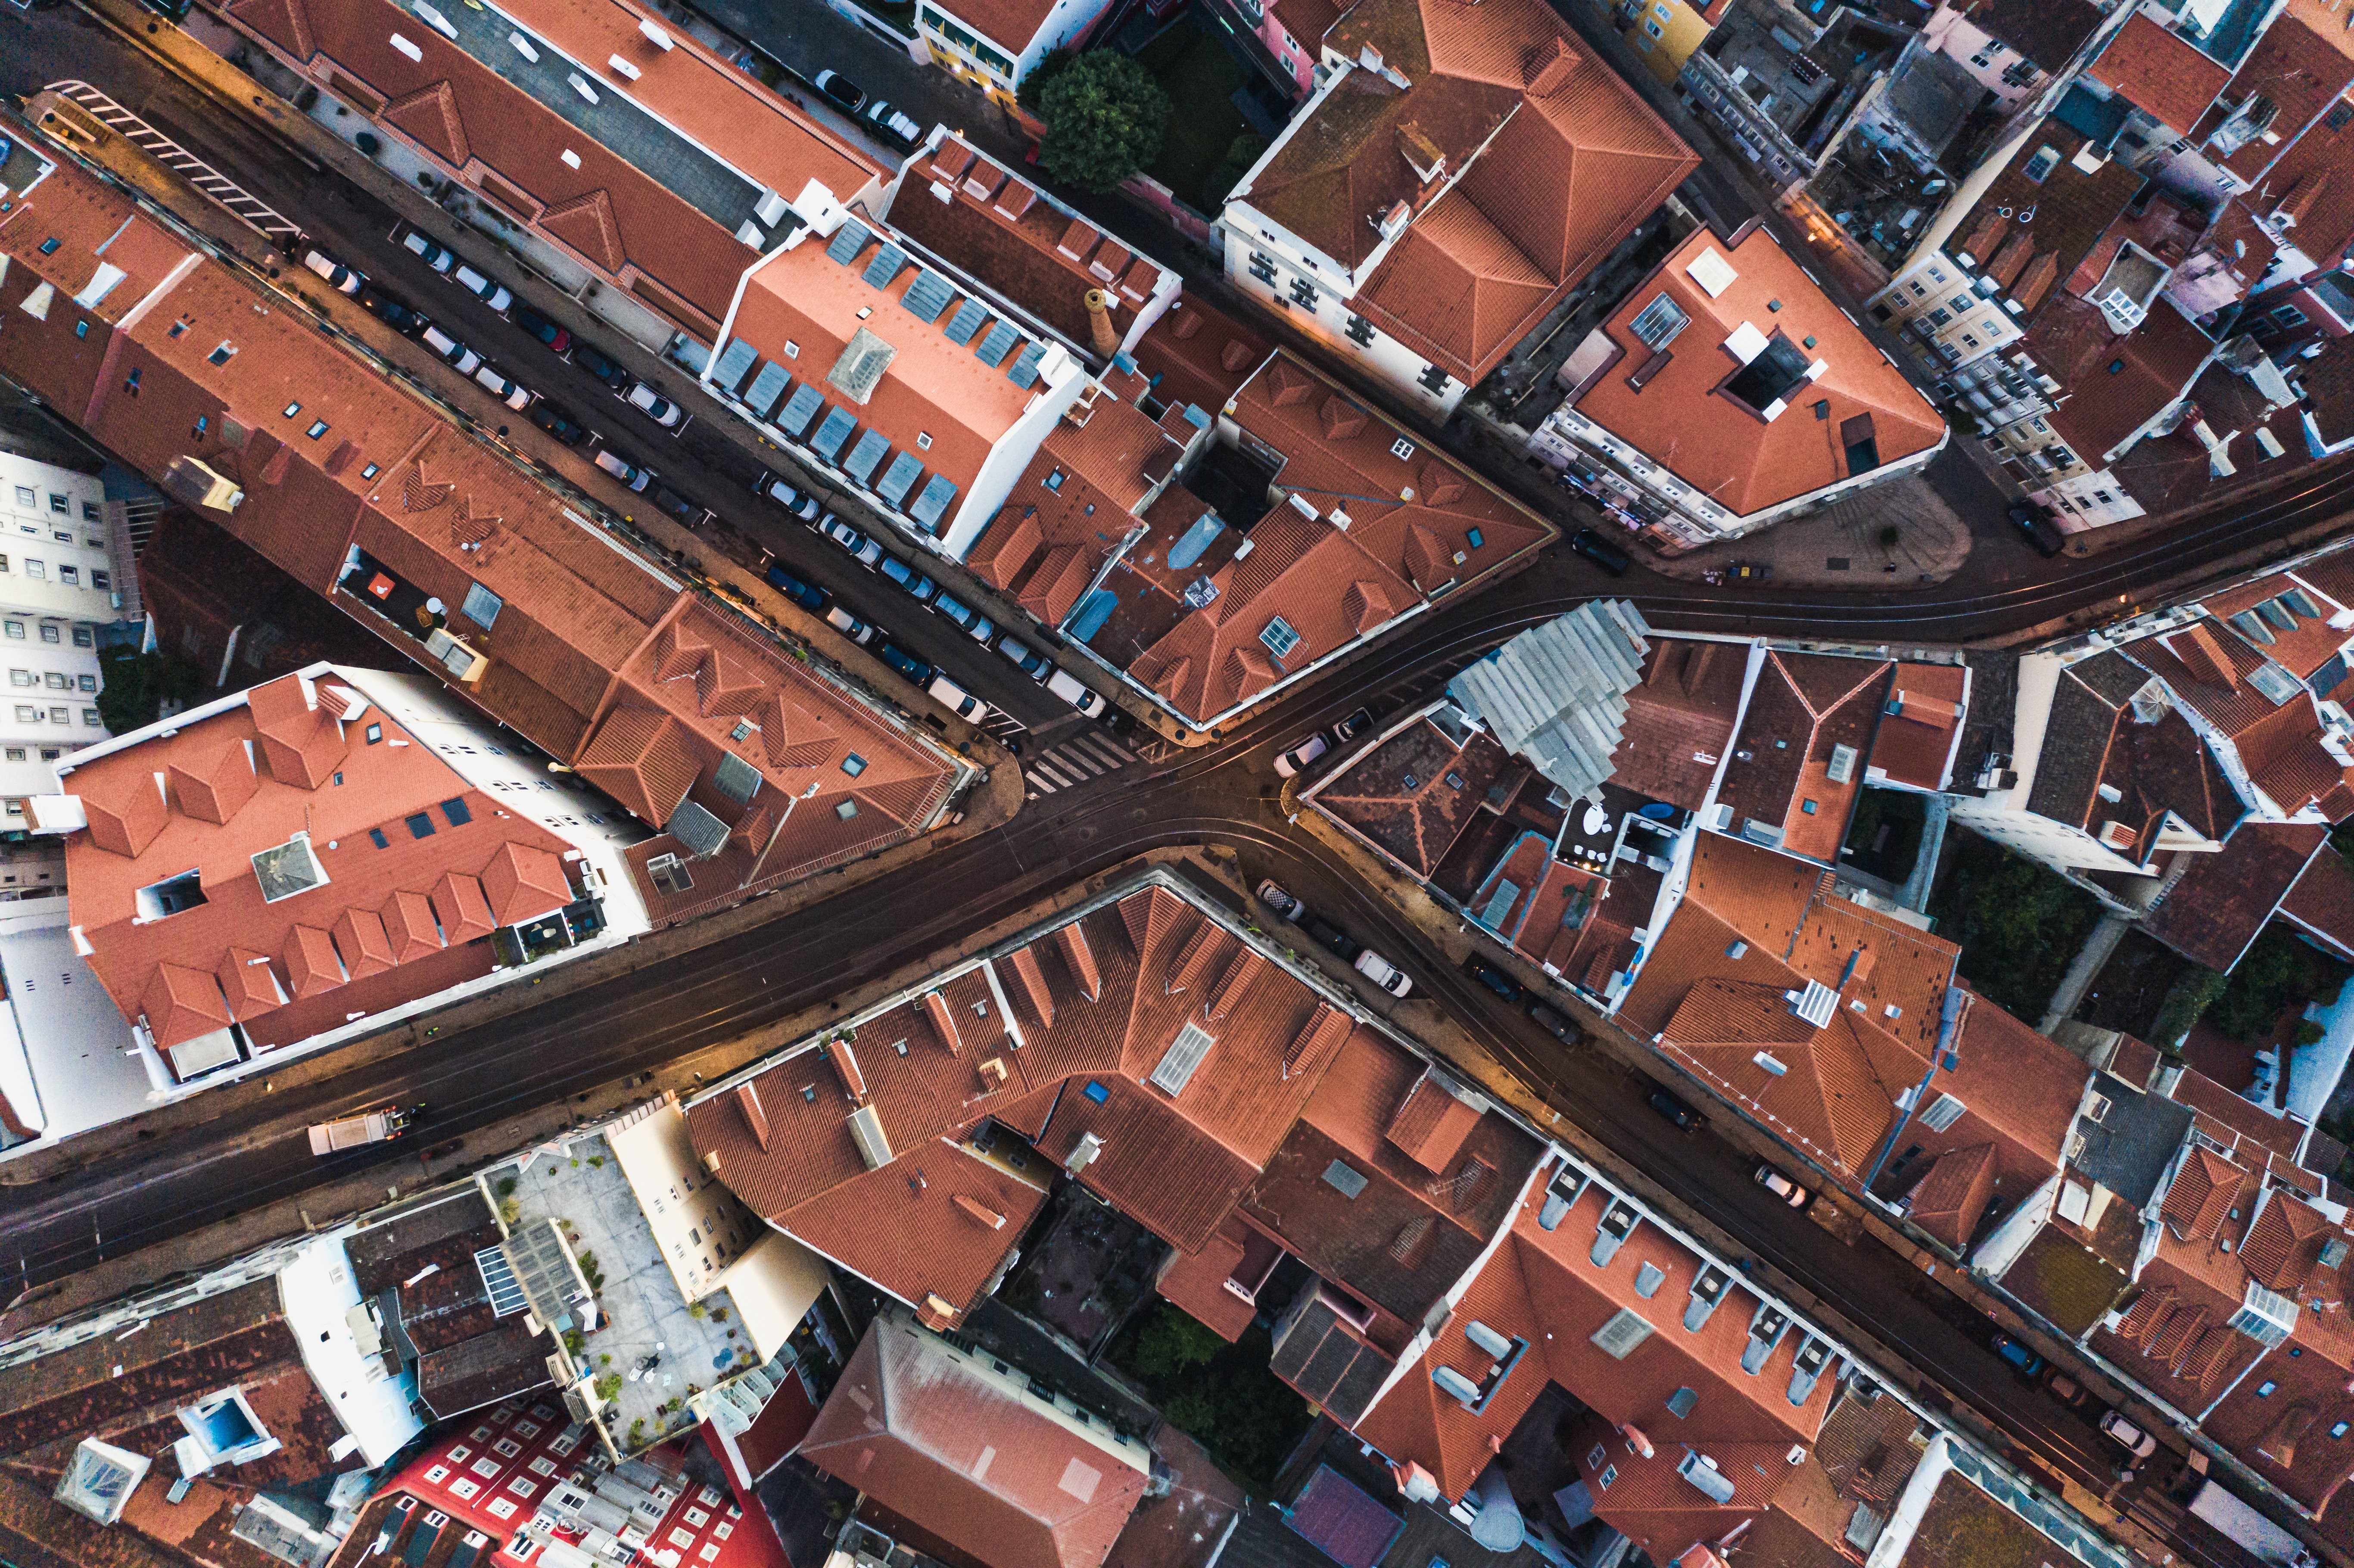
(1840, 547)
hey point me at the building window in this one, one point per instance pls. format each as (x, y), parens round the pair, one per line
(2264, 1389)
(1280, 636)
(222, 354)
(15, 754)
(25, 714)
(1262, 267)
(87, 683)
(1433, 380)
(1658, 323)
(1681, 1403)
(853, 765)
(90, 717)
(58, 504)
(70, 576)
(49, 633)
(25, 496)
(1304, 294)
(15, 629)
(1360, 331)
(89, 511)
(101, 581)
(82, 636)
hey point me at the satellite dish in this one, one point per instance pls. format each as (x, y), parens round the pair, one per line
(1595, 820)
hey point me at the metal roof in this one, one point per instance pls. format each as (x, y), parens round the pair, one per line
(1557, 693)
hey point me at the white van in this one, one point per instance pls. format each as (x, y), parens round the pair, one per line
(452, 353)
(1069, 688)
(957, 700)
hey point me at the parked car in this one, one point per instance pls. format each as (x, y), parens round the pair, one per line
(957, 700)
(891, 125)
(859, 631)
(2065, 1389)
(906, 664)
(2141, 1444)
(1382, 973)
(1781, 1186)
(1302, 757)
(800, 503)
(555, 337)
(489, 291)
(1601, 551)
(1493, 977)
(1350, 729)
(1276, 897)
(2036, 522)
(2028, 1362)
(558, 423)
(970, 621)
(450, 352)
(391, 311)
(693, 514)
(862, 550)
(1073, 691)
(1332, 937)
(1555, 1023)
(629, 473)
(1674, 1109)
(437, 256)
(847, 95)
(504, 387)
(1026, 658)
(593, 360)
(653, 405)
(807, 595)
(338, 276)
(918, 587)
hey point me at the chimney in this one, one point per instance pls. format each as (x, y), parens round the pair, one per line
(1083, 1154)
(845, 1067)
(1370, 58)
(982, 1211)
(2209, 663)
(1552, 67)
(936, 1007)
(1081, 958)
(747, 1100)
(711, 1163)
(1635, 1440)
(2118, 835)
(1100, 303)
(937, 1312)
(993, 1075)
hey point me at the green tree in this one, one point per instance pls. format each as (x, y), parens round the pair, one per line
(1174, 1341)
(1050, 66)
(133, 686)
(1105, 116)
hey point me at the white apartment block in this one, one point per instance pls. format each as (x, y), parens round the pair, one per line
(58, 583)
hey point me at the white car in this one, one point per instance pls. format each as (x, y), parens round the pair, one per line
(859, 631)
(630, 476)
(1781, 1186)
(1301, 758)
(492, 294)
(862, 550)
(1276, 897)
(1072, 691)
(339, 277)
(1382, 973)
(452, 353)
(2134, 1441)
(504, 388)
(654, 405)
(434, 255)
(957, 700)
(800, 503)
(1026, 658)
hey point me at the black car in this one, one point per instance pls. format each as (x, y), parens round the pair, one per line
(1332, 937)
(846, 94)
(1601, 551)
(595, 363)
(906, 664)
(1493, 977)
(1350, 729)
(1555, 1023)
(2036, 522)
(390, 311)
(539, 326)
(803, 594)
(670, 502)
(1674, 1109)
(558, 423)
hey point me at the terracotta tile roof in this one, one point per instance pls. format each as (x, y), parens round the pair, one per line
(2163, 74)
(2115, 386)
(939, 1440)
(1014, 24)
(1003, 230)
(2165, 472)
(2238, 1123)
(170, 969)
(1563, 159)
(918, 1226)
(2300, 66)
(2216, 907)
(1952, 1198)
(1915, 744)
(1653, 1505)
(2072, 210)
(1199, 354)
(1682, 416)
(2322, 902)
(1829, 1097)
(1197, 1283)
(2304, 645)
(1679, 720)
(1403, 794)
(2094, 740)
(1802, 708)
(2306, 179)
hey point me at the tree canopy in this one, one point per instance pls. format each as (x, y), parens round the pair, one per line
(1105, 116)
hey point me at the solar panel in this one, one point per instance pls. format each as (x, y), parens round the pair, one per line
(768, 389)
(1024, 372)
(885, 266)
(998, 343)
(799, 410)
(933, 504)
(867, 455)
(848, 241)
(928, 296)
(839, 423)
(735, 364)
(967, 322)
(900, 478)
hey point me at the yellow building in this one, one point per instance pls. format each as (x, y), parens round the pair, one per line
(1666, 32)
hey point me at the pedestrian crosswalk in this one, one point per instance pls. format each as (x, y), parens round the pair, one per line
(1075, 761)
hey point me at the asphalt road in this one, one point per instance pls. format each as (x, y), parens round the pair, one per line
(252, 1151)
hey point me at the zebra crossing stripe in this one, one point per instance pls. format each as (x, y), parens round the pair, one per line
(1039, 786)
(1070, 760)
(1046, 770)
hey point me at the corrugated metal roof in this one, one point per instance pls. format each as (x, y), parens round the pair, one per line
(1557, 693)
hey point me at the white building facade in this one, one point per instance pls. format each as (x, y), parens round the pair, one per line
(60, 582)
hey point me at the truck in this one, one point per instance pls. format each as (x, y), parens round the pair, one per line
(2266, 1540)
(367, 1127)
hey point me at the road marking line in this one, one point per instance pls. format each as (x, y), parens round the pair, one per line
(1094, 747)
(1039, 786)
(1043, 771)
(1071, 758)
